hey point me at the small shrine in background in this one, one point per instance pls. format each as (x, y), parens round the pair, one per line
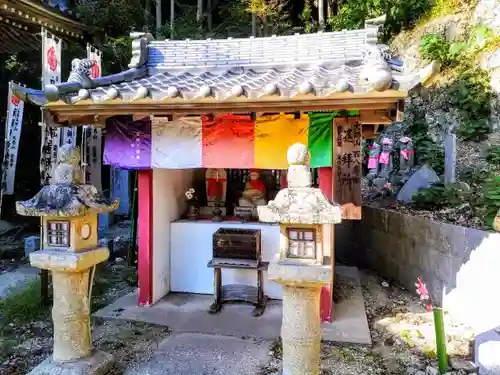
(302, 212)
(70, 250)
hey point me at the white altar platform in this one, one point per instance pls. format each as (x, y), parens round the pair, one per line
(191, 250)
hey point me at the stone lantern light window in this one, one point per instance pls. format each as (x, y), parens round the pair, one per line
(58, 233)
(301, 243)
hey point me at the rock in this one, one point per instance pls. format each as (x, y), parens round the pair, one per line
(422, 178)
(431, 371)
(385, 284)
(462, 364)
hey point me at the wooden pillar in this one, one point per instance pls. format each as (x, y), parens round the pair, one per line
(326, 184)
(145, 229)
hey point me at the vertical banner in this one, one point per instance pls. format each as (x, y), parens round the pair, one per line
(348, 166)
(51, 75)
(92, 136)
(15, 108)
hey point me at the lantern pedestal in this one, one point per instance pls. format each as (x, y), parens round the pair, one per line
(73, 352)
(301, 325)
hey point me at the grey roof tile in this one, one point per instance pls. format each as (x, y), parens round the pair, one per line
(319, 64)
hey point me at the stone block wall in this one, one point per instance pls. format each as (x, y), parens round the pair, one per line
(461, 266)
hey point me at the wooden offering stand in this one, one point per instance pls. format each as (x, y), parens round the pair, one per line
(238, 249)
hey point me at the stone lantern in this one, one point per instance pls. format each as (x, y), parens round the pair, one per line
(302, 212)
(70, 250)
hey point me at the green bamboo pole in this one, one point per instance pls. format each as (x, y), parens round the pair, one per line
(440, 340)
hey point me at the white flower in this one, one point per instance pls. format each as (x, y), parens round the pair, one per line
(191, 191)
(189, 195)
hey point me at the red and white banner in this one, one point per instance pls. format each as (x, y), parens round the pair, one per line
(92, 136)
(13, 125)
(51, 75)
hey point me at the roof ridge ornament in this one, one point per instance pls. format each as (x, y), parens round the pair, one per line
(140, 41)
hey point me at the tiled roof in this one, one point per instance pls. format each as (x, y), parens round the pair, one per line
(317, 65)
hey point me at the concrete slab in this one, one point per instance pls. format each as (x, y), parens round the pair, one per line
(98, 364)
(350, 323)
(14, 280)
(200, 354)
(188, 313)
(486, 352)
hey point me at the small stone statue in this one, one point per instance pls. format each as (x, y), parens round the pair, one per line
(385, 163)
(406, 158)
(373, 160)
(68, 170)
(216, 184)
(254, 194)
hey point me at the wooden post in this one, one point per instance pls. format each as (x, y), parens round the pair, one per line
(326, 184)
(145, 229)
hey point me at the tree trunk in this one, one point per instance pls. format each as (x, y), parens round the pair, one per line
(254, 24)
(147, 14)
(199, 14)
(172, 18)
(321, 14)
(209, 15)
(159, 21)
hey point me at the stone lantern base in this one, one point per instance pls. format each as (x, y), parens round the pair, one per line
(301, 326)
(99, 363)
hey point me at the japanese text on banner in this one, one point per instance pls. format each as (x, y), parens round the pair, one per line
(92, 136)
(51, 75)
(12, 135)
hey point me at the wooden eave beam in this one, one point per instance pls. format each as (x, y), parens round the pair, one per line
(34, 14)
(64, 112)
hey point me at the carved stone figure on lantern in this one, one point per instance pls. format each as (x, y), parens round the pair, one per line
(216, 186)
(385, 163)
(254, 194)
(70, 249)
(373, 160)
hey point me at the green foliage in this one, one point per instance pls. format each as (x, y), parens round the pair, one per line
(441, 195)
(492, 199)
(426, 150)
(435, 47)
(474, 130)
(493, 155)
(116, 17)
(22, 306)
(400, 14)
(471, 92)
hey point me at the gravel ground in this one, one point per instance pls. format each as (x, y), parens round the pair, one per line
(402, 340)
(395, 350)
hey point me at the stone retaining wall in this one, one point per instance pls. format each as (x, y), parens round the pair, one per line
(461, 266)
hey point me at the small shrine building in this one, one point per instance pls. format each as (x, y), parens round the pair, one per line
(218, 116)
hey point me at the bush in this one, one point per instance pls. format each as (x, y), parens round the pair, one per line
(493, 155)
(492, 199)
(434, 47)
(441, 195)
(474, 130)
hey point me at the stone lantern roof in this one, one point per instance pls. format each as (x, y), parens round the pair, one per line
(66, 196)
(300, 203)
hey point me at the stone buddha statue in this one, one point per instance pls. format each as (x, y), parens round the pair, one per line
(254, 194)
